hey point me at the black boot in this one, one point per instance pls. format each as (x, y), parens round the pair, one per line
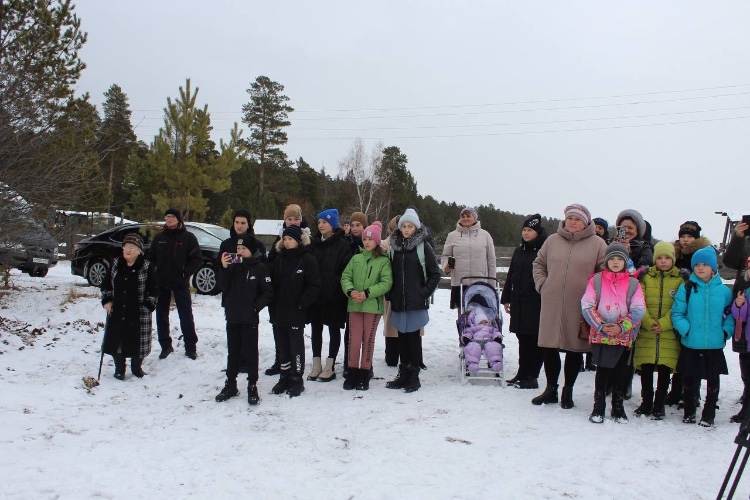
(350, 378)
(252, 394)
(658, 412)
(709, 413)
(136, 368)
(166, 351)
(618, 407)
(363, 381)
(400, 380)
(119, 366)
(283, 384)
(412, 383)
(647, 403)
(528, 383)
(739, 417)
(229, 391)
(689, 411)
(566, 400)
(275, 368)
(549, 396)
(600, 405)
(296, 385)
(675, 392)
(516, 378)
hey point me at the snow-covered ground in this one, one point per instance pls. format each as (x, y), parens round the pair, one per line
(165, 436)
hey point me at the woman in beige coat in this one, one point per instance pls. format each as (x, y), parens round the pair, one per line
(561, 272)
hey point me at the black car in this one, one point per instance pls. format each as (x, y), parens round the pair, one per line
(93, 256)
(25, 243)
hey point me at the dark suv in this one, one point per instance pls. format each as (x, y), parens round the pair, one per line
(25, 243)
(92, 256)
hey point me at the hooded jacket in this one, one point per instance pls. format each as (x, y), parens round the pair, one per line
(369, 274)
(296, 284)
(246, 289)
(474, 251)
(612, 307)
(684, 256)
(519, 290)
(410, 290)
(706, 321)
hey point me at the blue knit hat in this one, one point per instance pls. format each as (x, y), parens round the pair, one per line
(706, 255)
(601, 222)
(331, 216)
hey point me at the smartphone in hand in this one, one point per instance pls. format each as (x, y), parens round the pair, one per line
(234, 258)
(452, 262)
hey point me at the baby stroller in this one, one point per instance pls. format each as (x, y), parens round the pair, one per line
(480, 329)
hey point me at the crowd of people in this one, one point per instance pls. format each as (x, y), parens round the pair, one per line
(628, 305)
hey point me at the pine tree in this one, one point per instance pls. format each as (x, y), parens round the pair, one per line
(399, 189)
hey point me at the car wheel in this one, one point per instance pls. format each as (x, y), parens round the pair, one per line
(39, 272)
(96, 273)
(204, 280)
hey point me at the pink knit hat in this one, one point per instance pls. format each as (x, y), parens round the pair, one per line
(374, 231)
(579, 211)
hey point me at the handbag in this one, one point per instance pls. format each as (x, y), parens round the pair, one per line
(584, 330)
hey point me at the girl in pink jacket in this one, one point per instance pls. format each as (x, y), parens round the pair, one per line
(613, 306)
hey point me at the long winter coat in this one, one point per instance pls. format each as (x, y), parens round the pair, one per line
(474, 251)
(612, 307)
(175, 255)
(296, 284)
(702, 323)
(369, 274)
(683, 257)
(659, 289)
(519, 290)
(561, 272)
(332, 255)
(132, 291)
(246, 289)
(410, 290)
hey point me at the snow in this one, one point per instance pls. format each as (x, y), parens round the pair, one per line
(165, 434)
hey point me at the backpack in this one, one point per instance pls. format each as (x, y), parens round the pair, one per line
(632, 287)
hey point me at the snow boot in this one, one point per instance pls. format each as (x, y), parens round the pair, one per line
(400, 380)
(688, 416)
(275, 368)
(166, 351)
(647, 403)
(412, 382)
(328, 373)
(675, 392)
(658, 412)
(252, 394)
(296, 385)
(363, 381)
(709, 413)
(119, 366)
(283, 384)
(618, 407)
(516, 378)
(229, 391)
(315, 370)
(600, 405)
(528, 383)
(549, 396)
(566, 400)
(350, 378)
(745, 409)
(136, 368)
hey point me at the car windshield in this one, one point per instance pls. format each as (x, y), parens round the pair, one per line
(209, 235)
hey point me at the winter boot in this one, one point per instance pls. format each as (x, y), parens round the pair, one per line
(229, 391)
(296, 385)
(566, 400)
(709, 413)
(658, 412)
(391, 351)
(618, 407)
(350, 379)
(647, 403)
(166, 351)
(119, 366)
(275, 368)
(328, 373)
(600, 405)
(283, 384)
(675, 392)
(400, 380)
(363, 380)
(315, 370)
(549, 396)
(252, 394)
(412, 383)
(689, 411)
(516, 378)
(528, 383)
(136, 368)
(739, 417)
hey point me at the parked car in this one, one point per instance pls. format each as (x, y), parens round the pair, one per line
(25, 243)
(93, 256)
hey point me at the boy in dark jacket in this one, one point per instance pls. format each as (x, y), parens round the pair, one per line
(246, 289)
(296, 285)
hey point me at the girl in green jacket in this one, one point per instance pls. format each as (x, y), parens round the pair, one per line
(366, 279)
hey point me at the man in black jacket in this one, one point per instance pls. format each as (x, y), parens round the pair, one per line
(176, 256)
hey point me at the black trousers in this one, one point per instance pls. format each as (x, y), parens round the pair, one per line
(242, 343)
(552, 365)
(290, 346)
(410, 348)
(617, 376)
(647, 378)
(530, 356)
(317, 340)
(184, 310)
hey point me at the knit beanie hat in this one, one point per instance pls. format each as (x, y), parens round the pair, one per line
(706, 255)
(616, 250)
(241, 212)
(636, 217)
(690, 227)
(409, 216)
(293, 211)
(133, 239)
(664, 249)
(471, 210)
(359, 217)
(331, 216)
(293, 232)
(534, 222)
(479, 316)
(578, 211)
(175, 212)
(601, 222)
(374, 231)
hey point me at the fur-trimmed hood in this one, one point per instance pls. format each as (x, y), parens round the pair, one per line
(699, 243)
(306, 241)
(398, 243)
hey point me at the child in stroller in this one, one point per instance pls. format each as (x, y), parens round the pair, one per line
(481, 334)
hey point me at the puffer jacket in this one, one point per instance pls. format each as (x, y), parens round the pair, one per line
(410, 290)
(332, 255)
(370, 274)
(612, 307)
(659, 289)
(296, 284)
(705, 322)
(474, 251)
(176, 256)
(519, 290)
(683, 257)
(246, 289)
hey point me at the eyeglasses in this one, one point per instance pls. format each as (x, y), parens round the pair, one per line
(167, 217)
(130, 248)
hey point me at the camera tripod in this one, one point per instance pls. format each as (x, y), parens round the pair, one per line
(743, 441)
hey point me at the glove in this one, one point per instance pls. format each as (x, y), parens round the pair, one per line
(465, 340)
(685, 273)
(499, 340)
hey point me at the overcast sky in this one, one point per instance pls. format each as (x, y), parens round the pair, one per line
(529, 106)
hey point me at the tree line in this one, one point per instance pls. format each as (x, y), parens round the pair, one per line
(58, 151)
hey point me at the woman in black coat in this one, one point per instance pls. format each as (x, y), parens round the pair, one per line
(524, 304)
(129, 295)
